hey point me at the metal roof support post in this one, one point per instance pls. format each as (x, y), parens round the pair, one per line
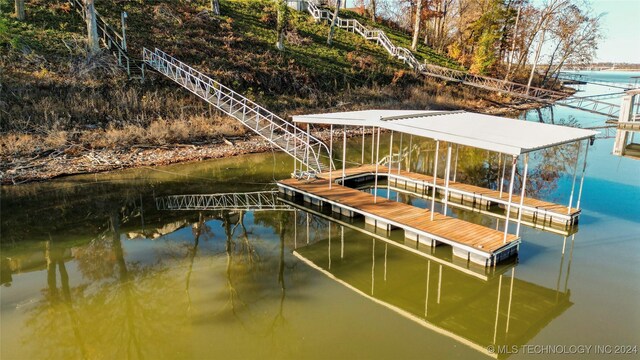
(504, 168)
(373, 142)
(513, 174)
(308, 144)
(584, 168)
(330, 154)
(375, 185)
(446, 180)
(400, 154)
(455, 167)
(575, 175)
(522, 192)
(344, 152)
(410, 152)
(362, 146)
(390, 165)
(295, 150)
(435, 174)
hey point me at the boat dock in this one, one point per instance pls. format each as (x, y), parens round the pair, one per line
(476, 243)
(470, 242)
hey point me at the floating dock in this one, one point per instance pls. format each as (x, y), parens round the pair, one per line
(476, 243)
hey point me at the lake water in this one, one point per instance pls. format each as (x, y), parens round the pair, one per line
(92, 269)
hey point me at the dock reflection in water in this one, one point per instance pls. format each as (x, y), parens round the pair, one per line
(474, 306)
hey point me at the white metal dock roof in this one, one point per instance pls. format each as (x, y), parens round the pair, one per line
(493, 133)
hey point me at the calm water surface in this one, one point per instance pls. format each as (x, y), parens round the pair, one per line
(92, 269)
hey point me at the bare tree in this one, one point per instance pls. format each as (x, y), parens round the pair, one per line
(333, 23)
(20, 10)
(92, 28)
(372, 10)
(416, 28)
(281, 22)
(215, 6)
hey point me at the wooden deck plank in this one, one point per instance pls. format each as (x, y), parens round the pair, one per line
(410, 217)
(488, 194)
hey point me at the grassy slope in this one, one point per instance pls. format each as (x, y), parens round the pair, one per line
(47, 85)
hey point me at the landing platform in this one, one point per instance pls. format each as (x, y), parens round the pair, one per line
(538, 211)
(472, 242)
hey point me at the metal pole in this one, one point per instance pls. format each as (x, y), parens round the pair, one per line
(584, 168)
(362, 145)
(400, 154)
(573, 183)
(330, 154)
(295, 151)
(373, 142)
(455, 168)
(522, 192)
(375, 185)
(435, 174)
(446, 180)
(344, 152)
(389, 166)
(410, 152)
(308, 142)
(513, 174)
(504, 168)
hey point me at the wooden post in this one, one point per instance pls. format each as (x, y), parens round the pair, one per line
(435, 174)
(513, 174)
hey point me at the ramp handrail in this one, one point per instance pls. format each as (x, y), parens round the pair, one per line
(279, 132)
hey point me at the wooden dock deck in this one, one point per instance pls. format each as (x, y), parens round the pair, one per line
(543, 211)
(474, 242)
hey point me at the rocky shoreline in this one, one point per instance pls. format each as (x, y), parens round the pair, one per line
(76, 160)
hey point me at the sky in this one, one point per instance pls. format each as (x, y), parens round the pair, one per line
(621, 27)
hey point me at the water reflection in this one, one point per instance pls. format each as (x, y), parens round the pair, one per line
(497, 309)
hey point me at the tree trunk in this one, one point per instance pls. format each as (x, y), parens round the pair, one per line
(93, 41)
(20, 10)
(416, 28)
(281, 24)
(333, 23)
(372, 10)
(215, 7)
(535, 59)
(513, 42)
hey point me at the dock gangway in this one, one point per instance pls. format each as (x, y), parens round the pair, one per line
(249, 201)
(282, 134)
